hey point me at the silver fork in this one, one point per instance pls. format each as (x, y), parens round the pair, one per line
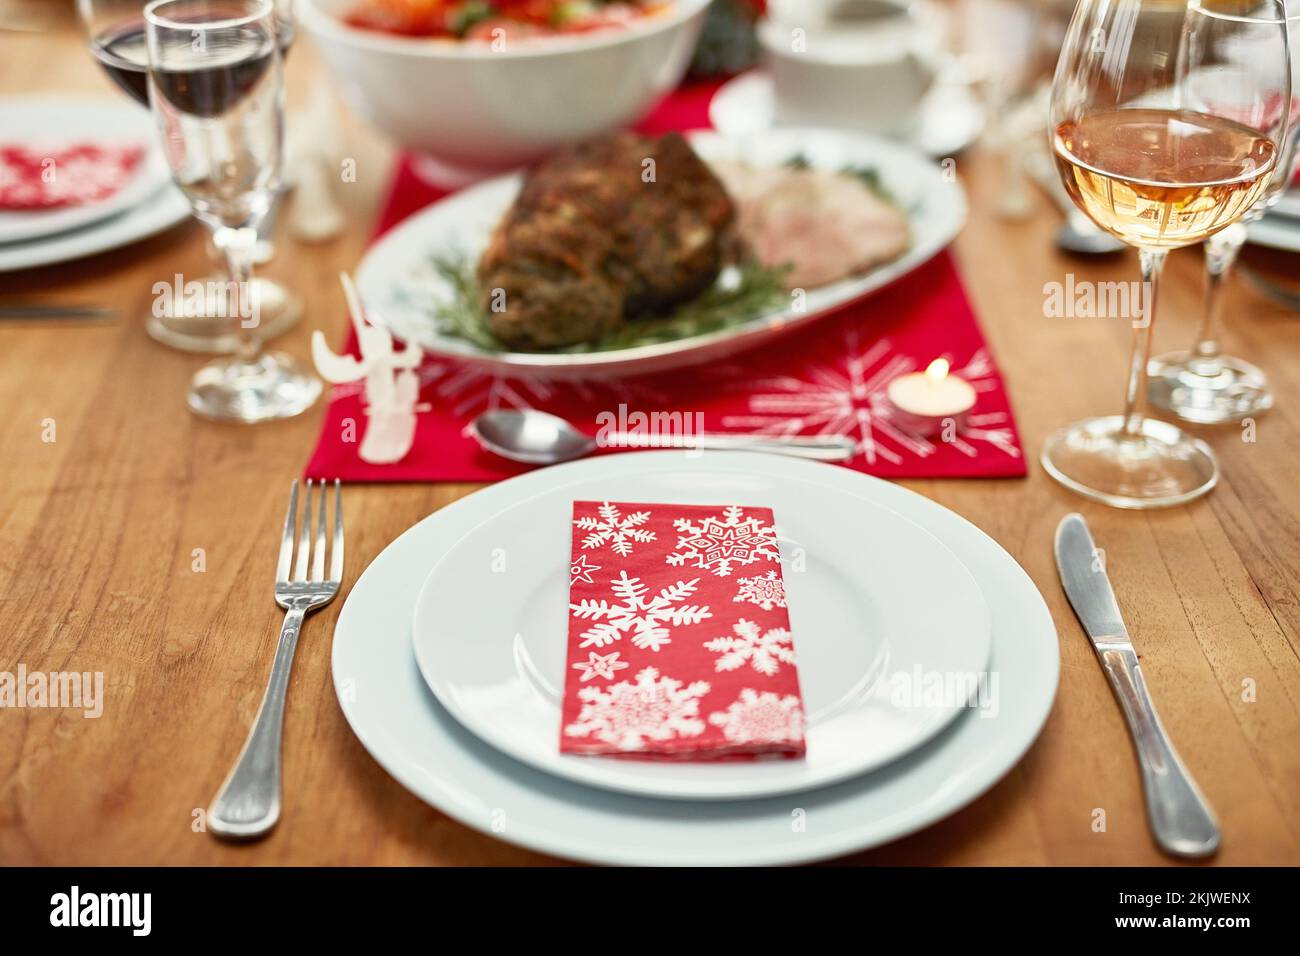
(248, 804)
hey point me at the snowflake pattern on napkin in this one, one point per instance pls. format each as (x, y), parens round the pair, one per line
(669, 655)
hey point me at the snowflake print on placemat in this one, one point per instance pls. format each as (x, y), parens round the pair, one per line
(767, 591)
(765, 717)
(848, 398)
(765, 651)
(627, 715)
(615, 530)
(645, 618)
(597, 665)
(580, 570)
(716, 543)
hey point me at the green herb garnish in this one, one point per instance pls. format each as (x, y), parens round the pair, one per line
(743, 293)
(869, 176)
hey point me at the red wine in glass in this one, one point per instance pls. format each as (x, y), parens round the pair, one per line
(122, 52)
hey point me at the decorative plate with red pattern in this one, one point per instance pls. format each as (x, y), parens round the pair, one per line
(50, 177)
(67, 163)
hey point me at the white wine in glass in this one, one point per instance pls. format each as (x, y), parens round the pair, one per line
(1202, 384)
(1159, 167)
(1162, 178)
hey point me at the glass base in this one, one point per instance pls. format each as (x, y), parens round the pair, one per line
(214, 331)
(1157, 468)
(270, 387)
(1207, 392)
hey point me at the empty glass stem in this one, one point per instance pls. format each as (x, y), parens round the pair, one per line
(1221, 251)
(237, 246)
(1152, 262)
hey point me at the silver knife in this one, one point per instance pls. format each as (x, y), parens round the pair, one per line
(1181, 819)
(37, 310)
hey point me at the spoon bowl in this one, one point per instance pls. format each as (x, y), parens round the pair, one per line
(535, 438)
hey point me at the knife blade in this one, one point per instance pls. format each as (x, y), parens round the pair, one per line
(37, 311)
(1181, 819)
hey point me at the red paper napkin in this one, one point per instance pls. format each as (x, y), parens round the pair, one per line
(34, 178)
(828, 377)
(679, 638)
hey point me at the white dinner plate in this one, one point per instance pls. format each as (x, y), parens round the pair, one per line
(398, 720)
(877, 606)
(401, 286)
(61, 120)
(950, 117)
(164, 209)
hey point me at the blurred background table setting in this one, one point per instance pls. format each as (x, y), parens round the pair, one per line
(692, 384)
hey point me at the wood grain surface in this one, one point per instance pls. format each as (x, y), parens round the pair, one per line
(98, 530)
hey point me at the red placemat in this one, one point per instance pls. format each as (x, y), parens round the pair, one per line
(829, 377)
(679, 639)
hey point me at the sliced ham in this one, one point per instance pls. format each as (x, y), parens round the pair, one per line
(824, 226)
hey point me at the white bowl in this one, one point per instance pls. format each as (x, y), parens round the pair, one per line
(470, 110)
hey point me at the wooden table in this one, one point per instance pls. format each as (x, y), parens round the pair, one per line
(98, 531)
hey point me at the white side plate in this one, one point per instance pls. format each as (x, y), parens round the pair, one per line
(951, 119)
(1276, 232)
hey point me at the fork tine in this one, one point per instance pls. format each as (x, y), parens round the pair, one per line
(318, 550)
(336, 553)
(286, 541)
(304, 538)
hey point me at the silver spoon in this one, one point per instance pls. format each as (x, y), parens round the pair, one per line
(537, 438)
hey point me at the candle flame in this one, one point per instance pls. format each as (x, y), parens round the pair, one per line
(937, 370)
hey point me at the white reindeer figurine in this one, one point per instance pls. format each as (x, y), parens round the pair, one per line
(392, 385)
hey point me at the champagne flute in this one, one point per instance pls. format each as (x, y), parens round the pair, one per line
(1203, 385)
(115, 34)
(1159, 166)
(215, 85)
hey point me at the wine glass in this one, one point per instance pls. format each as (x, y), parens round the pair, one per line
(115, 32)
(1203, 385)
(215, 85)
(1159, 165)
(115, 35)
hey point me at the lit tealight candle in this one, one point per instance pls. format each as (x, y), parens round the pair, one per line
(923, 400)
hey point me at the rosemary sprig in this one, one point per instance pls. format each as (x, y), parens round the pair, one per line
(745, 292)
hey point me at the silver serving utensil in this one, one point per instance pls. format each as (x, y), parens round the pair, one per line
(537, 438)
(1181, 819)
(248, 804)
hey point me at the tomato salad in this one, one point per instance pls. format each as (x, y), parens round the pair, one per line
(492, 19)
